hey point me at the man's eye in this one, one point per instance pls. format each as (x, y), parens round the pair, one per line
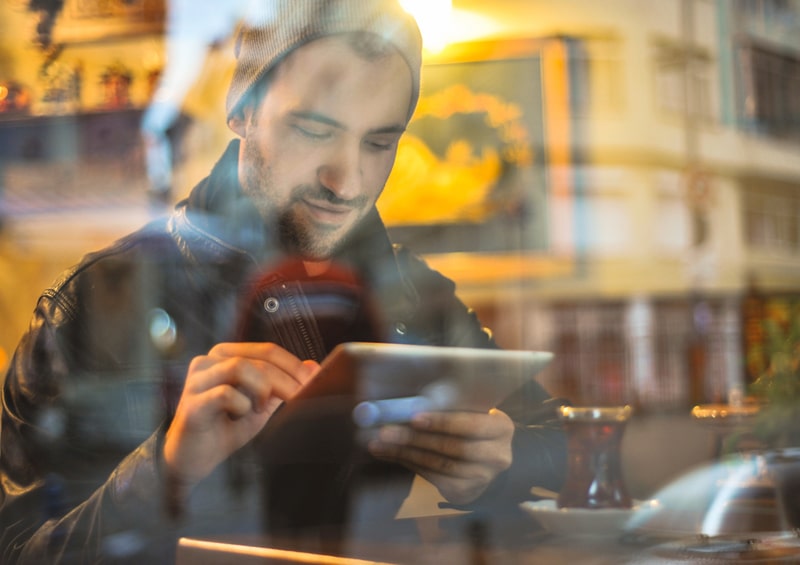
(312, 134)
(380, 145)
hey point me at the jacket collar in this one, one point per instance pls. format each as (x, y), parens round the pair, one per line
(217, 222)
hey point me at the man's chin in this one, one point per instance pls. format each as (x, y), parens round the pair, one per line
(311, 250)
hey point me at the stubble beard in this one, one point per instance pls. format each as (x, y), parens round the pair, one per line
(295, 237)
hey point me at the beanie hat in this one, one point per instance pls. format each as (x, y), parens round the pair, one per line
(264, 41)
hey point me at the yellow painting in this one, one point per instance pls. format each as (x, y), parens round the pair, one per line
(471, 170)
(428, 188)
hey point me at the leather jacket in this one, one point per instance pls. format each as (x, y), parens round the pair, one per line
(93, 383)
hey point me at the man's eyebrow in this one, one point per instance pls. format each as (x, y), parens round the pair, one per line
(395, 128)
(323, 119)
(316, 117)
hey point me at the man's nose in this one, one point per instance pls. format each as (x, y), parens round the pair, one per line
(341, 173)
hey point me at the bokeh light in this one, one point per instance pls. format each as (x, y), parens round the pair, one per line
(434, 18)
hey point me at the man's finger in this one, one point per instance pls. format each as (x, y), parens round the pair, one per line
(225, 399)
(469, 425)
(450, 446)
(423, 461)
(263, 351)
(256, 379)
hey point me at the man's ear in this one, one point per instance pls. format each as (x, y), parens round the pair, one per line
(238, 122)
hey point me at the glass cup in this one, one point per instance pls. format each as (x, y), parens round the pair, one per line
(784, 467)
(594, 471)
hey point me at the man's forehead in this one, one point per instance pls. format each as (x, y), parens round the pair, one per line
(263, 44)
(332, 51)
(323, 78)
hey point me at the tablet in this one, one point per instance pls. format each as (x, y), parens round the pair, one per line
(389, 383)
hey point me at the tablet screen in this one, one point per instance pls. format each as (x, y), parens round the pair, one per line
(389, 383)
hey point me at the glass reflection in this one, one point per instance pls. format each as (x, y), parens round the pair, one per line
(623, 192)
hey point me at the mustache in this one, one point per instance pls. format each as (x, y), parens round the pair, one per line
(322, 193)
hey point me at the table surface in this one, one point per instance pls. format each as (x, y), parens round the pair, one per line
(439, 540)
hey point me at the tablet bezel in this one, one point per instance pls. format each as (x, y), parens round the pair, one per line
(473, 379)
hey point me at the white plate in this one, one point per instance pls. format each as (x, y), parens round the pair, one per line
(581, 521)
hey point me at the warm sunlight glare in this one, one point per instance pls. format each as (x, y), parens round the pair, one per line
(434, 19)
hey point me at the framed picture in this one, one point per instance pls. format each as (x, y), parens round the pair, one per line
(485, 164)
(85, 21)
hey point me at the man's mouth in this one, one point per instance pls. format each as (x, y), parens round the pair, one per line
(325, 212)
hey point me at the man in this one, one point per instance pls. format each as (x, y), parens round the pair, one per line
(320, 96)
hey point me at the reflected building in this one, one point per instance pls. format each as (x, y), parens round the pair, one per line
(671, 209)
(627, 193)
(616, 182)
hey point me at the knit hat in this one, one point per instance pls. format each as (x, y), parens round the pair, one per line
(264, 41)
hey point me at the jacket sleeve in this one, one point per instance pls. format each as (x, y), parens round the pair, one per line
(61, 499)
(539, 444)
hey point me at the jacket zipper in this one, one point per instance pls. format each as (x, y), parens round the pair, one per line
(300, 323)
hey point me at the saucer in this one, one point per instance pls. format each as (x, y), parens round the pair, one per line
(581, 521)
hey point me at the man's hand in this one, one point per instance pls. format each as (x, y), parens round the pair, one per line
(461, 453)
(228, 396)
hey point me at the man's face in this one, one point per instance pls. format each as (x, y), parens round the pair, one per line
(318, 148)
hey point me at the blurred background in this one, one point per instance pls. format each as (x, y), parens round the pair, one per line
(617, 182)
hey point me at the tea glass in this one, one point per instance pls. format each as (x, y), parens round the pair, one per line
(594, 471)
